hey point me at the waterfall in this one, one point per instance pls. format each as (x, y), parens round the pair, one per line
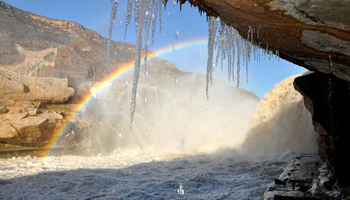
(281, 123)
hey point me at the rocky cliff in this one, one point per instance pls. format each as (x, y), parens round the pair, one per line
(36, 45)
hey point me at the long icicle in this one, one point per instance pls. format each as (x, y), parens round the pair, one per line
(154, 19)
(148, 24)
(141, 12)
(213, 24)
(111, 23)
(128, 15)
(160, 14)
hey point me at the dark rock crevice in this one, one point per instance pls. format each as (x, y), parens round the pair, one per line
(327, 98)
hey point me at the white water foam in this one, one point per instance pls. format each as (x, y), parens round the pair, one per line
(281, 123)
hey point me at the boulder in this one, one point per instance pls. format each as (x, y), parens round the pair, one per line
(327, 98)
(52, 94)
(35, 129)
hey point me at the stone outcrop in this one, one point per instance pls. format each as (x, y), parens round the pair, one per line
(23, 119)
(327, 98)
(305, 177)
(25, 124)
(52, 94)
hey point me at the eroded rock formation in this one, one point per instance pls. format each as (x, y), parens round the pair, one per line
(327, 98)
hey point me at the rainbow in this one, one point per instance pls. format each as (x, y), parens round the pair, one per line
(112, 77)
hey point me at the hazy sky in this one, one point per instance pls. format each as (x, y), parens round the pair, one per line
(95, 14)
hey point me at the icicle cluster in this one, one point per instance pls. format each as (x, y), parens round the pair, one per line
(231, 46)
(228, 43)
(111, 23)
(146, 12)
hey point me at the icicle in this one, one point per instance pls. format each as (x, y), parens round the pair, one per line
(148, 24)
(136, 13)
(229, 62)
(213, 24)
(141, 8)
(239, 46)
(233, 58)
(248, 56)
(278, 55)
(330, 61)
(128, 15)
(154, 19)
(217, 58)
(111, 23)
(219, 46)
(160, 14)
(249, 33)
(247, 60)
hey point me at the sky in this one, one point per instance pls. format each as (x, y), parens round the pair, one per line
(95, 15)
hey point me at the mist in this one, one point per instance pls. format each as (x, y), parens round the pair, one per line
(172, 113)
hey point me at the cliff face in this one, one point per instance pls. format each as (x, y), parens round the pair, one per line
(48, 47)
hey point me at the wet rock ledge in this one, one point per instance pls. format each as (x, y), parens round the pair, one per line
(306, 177)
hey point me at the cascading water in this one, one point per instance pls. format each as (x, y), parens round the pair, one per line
(281, 123)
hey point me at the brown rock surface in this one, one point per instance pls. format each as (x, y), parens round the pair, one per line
(34, 129)
(52, 94)
(3, 109)
(10, 87)
(7, 131)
